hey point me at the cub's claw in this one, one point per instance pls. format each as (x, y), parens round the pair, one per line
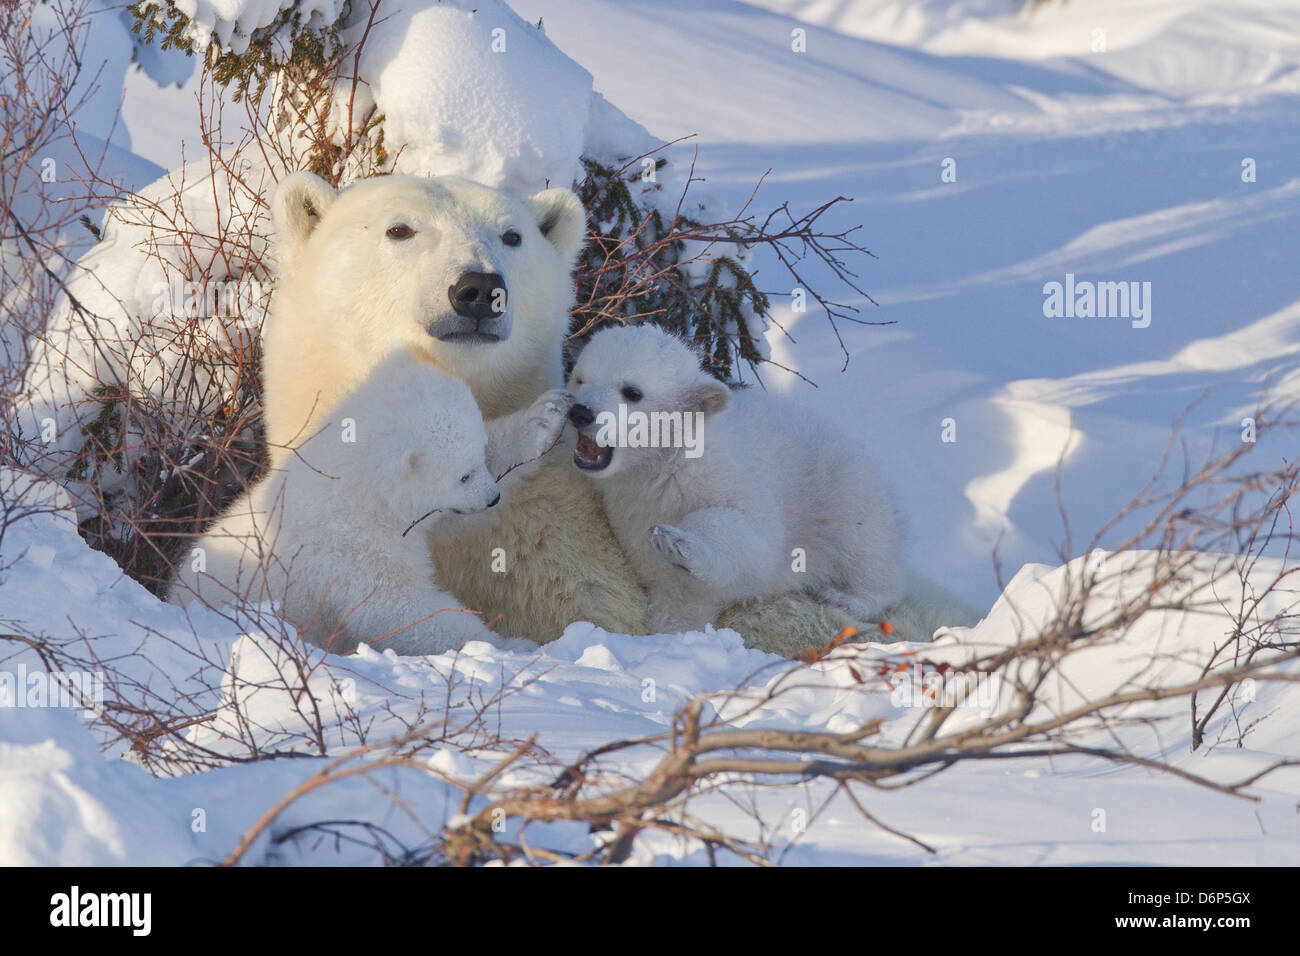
(547, 417)
(679, 548)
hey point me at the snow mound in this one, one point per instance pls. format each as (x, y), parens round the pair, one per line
(469, 89)
(159, 288)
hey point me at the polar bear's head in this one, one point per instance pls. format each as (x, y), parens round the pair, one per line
(640, 397)
(409, 441)
(470, 277)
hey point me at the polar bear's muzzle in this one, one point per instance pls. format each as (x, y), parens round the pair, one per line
(588, 454)
(478, 302)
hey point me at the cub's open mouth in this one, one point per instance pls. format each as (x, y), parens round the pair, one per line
(589, 456)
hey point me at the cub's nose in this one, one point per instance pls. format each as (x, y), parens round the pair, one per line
(493, 502)
(581, 415)
(478, 295)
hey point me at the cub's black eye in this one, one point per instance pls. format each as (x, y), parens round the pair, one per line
(464, 479)
(578, 380)
(632, 393)
(512, 238)
(400, 231)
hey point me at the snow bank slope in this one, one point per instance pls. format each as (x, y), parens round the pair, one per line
(1166, 45)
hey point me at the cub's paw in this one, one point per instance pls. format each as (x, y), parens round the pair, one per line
(546, 419)
(679, 548)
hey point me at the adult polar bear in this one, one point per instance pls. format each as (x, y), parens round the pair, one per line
(479, 283)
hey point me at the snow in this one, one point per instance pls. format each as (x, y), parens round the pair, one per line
(467, 88)
(1117, 164)
(1208, 46)
(97, 85)
(231, 23)
(472, 90)
(133, 297)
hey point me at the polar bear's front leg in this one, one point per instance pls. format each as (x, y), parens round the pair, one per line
(526, 435)
(447, 628)
(722, 548)
(400, 612)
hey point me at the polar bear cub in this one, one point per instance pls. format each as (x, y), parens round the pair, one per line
(719, 495)
(325, 534)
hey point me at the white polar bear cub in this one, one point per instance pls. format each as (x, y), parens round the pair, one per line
(324, 534)
(718, 495)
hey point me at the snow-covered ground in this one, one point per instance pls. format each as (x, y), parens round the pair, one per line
(64, 802)
(987, 153)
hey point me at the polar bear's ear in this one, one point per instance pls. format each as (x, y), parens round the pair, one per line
(300, 201)
(561, 218)
(708, 396)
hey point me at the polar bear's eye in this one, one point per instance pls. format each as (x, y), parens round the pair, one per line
(400, 231)
(464, 479)
(632, 393)
(512, 238)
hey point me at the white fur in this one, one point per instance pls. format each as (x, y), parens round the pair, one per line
(705, 532)
(348, 294)
(323, 534)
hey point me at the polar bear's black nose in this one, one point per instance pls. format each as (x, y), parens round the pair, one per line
(581, 415)
(478, 295)
(493, 502)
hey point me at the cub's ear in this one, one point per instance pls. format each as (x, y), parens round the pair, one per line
(299, 203)
(708, 396)
(562, 220)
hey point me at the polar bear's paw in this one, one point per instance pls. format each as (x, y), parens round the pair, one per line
(851, 605)
(680, 548)
(546, 419)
